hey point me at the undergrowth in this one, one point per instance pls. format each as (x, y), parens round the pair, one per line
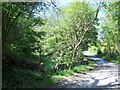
(76, 69)
(17, 77)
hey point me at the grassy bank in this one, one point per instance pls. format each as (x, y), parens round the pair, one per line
(76, 69)
(114, 58)
(17, 77)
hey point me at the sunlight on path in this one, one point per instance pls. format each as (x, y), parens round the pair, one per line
(104, 76)
(87, 53)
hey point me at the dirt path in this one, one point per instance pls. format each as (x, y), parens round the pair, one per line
(104, 76)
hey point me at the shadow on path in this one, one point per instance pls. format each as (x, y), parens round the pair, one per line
(104, 76)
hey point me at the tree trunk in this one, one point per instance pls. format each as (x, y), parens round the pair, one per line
(109, 50)
(86, 28)
(78, 45)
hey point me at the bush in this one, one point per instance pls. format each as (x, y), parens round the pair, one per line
(17, 77)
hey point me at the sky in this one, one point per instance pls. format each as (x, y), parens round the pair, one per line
(66, 3)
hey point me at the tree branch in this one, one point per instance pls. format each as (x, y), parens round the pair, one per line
(86, 28)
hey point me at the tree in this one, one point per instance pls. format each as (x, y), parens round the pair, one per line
(110, 28)
(88, 24)
(69, 32)
(20, 22)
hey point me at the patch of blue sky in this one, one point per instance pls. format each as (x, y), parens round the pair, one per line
(66, 3)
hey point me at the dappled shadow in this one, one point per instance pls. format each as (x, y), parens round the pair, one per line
(67, 83)
(96, 82)
(104, 76)
(100, 78)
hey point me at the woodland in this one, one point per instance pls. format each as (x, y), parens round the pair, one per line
(44, 41)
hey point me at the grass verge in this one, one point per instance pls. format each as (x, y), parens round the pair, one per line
(81, 68)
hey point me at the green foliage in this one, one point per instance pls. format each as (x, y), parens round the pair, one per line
(64, 73)
(17, 77)
(20, 35)
(80, 68)
(76, 69)
(85, 67)
(54, 39)
(109, 45)
(110, 28)
(115, 58)
(22, 40)
(93, 50)
(65, 32)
